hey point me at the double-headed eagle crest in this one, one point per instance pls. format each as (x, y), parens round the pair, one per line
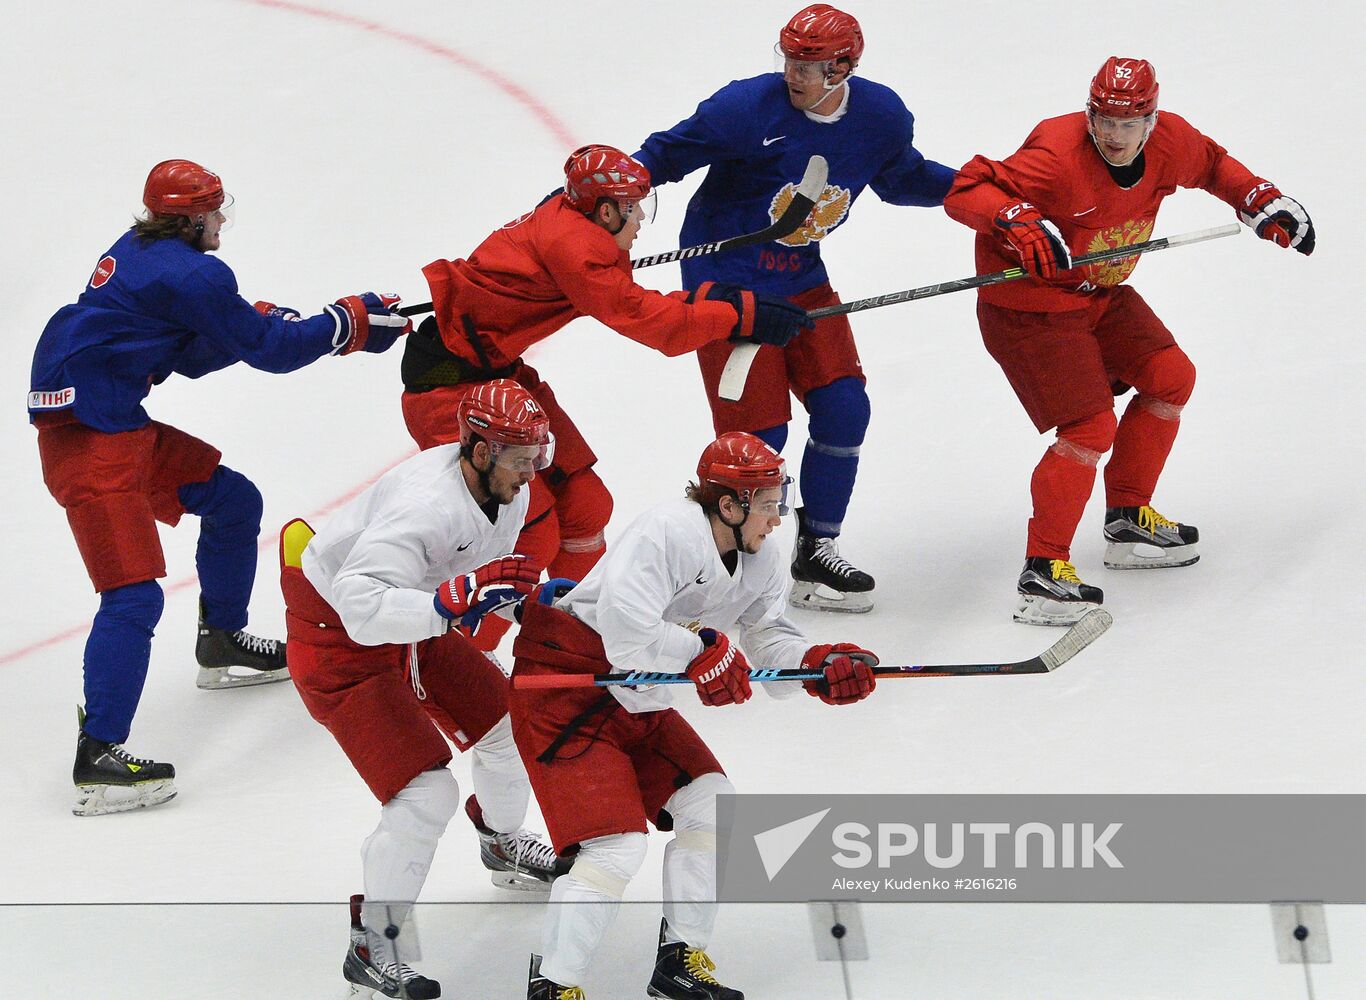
(1111, 272)
(830, 210)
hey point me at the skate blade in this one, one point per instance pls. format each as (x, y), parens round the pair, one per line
(519, 882)
(1031, 609)
(1141, 555)
(221, 678)
(357, 991)
(101, 800)
(818, 597)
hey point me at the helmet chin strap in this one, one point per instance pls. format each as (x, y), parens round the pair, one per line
(736, 528)
(485, 482)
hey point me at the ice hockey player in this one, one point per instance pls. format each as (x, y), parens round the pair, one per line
(160, 304)
(663, 599)
(565, 259)
(755, 137)
(1070, 340)
(380, 606)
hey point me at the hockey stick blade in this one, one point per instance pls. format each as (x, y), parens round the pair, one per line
(808, 192)
(1086, 631)
(1015, 273)
(804, 199)
(736, 372)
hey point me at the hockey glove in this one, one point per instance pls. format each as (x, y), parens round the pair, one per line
(1043, 252)
(547, 593)
(848, 673)
(720, 671)
(465, 600)
(764, 319)
(271, 309)
(368, 322)
(1273, 216)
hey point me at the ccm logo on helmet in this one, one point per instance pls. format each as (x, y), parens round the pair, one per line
(104, 270)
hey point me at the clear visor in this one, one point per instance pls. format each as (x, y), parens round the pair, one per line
(225, 213)
(1121, 129)
(801, 71)
(523, 457)
(228, 210)
(645, 207)
(771, 502)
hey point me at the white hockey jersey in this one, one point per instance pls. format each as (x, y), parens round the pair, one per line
(379, 560)
(663, 579)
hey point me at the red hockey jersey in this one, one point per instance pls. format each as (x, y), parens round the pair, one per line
(1060, 171)
(552, 265)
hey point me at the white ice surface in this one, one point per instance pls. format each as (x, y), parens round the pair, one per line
(356, 156)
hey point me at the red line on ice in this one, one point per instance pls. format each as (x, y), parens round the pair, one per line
(543, 114)
(539, 111)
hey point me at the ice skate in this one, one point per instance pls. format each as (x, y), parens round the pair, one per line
(540, 988)
(1052, 594)
(1141, 538)
(109, 779)
(824, 581)
(684, 973)
(219, 652)
(518, 860)
(370, 978)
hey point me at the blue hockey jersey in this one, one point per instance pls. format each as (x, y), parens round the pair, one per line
(757, 145)
(150, 310)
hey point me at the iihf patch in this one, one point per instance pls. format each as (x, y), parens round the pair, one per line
(104, 270)
(52, 400)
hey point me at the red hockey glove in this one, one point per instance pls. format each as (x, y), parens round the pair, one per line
(1277, 218)
(848, 673)
(271, 309)
(720, 671)
(465, 600)
(764, 319)
(1042, 250)
(368, 322)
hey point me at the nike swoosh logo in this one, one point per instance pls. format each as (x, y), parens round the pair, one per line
(770, 142)
(1078, 215)
(462, 548)
(699, 579)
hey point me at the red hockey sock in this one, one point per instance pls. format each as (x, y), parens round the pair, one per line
(1062, 484)
(1144, 439)
(1142, 443)
(575, 564)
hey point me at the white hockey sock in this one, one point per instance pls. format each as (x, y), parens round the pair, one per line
(396, 856)
(602, 869)
(690, 861)
(500, 781)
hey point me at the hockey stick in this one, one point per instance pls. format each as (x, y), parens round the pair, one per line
(1086, 631)
(736, 372)
(808, 192)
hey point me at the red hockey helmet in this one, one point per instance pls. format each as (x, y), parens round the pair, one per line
(820, 32)
(1124, 88)
(743, 463)
(508, 417)
(599, 171)
(180, 187)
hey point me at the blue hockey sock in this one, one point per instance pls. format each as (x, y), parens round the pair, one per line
(839, 419)
(116, 658)
(229, 507)
(774, 437)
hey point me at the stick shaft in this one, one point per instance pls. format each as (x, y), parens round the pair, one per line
(1086, 631)
(1015, 273)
